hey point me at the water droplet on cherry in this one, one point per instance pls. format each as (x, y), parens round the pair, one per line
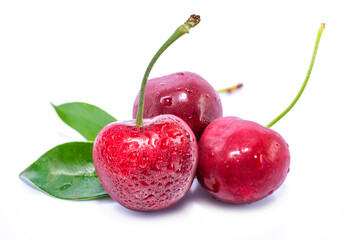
(144, 183)
(170, 167)
(134, 135)
(164, 143)
(167, 101)
(174, 134)
(150, 197)
(189, 90)
(143, 164)
(258, 160)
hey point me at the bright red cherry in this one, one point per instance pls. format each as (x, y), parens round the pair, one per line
(241, 161)
(148, 164)
(146, 168)
(184, 94)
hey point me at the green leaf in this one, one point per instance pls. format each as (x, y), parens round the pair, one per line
(67, 172)
(85, 118)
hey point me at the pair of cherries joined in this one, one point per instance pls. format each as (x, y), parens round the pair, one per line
(149, 164)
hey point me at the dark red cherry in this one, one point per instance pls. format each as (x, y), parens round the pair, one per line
(241, 161)
(184, 94)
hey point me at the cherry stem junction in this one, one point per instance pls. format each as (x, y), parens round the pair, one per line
(180, 31)
(231, 89)
(304, 83)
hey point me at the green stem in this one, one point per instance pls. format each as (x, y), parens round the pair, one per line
(180, 31)
(304, 83)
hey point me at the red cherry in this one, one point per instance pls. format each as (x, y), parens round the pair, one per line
(146, 168)
(148, 164)
(184, 94)
(241, 161)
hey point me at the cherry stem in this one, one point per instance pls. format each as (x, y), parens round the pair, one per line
(304, 83)
(231, 89)
(180, 31)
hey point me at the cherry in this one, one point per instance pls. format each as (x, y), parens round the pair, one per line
(241, 161)
(184, 94)
(148, 164)
(149, 167)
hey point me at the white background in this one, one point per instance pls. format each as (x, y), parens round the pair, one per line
(97, 52)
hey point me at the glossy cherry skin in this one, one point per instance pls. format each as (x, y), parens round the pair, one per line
(241, 161)
(184, 94)
(146, 168)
